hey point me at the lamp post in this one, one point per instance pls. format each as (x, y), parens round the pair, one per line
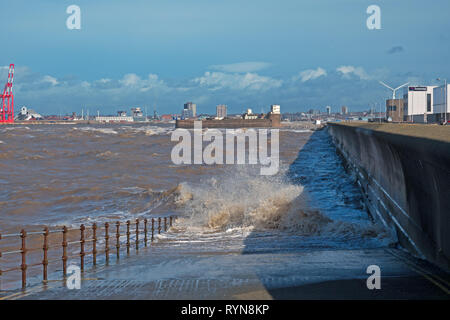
(445, 99)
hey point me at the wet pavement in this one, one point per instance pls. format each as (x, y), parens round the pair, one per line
(281, 272)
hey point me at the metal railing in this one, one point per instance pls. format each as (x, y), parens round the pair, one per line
(98, 233)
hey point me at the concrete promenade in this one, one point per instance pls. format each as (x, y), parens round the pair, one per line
(165, 271)
(427, 131)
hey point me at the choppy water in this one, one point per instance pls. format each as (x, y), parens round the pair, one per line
(61, 174)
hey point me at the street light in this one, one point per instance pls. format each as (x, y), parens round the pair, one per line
(445, 97)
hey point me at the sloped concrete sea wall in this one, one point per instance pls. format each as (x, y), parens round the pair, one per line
(404, 174)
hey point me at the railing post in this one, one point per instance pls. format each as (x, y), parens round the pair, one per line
(0, 266)
(153, 229)
(137, 234)
(94, 244)
(159, 225)
(128, 236)
(118, 239)
(82, 228)
(145, 232)
(23, 235)
(45, 260)
(107, 242)
(165, 223)
(64, 256)
(170, 221)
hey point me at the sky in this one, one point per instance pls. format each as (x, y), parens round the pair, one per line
(301, 54)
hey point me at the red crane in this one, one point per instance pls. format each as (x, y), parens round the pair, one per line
(7, 106)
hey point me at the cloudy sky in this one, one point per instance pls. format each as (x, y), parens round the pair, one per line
(301, 54)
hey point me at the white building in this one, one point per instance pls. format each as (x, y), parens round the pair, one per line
(275, 109)
(189, 110)
(26, 114)
(441, 109)
(250, 115)
(221, 111)
(121, 117)
(417, 103)
(108, 119)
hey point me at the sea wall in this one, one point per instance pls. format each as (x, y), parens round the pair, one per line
(273, 120)
(404, 174)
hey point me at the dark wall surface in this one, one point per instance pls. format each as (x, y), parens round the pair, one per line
(405, 177)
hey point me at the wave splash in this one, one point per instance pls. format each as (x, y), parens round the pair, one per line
(258, 203)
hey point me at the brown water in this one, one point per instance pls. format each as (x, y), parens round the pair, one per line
(73, 174)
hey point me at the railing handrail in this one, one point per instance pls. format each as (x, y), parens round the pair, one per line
(115, 227)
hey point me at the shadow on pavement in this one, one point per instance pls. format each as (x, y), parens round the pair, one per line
(328, 267)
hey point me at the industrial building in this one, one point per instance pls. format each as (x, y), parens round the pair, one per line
(394, 110)
(121, 117)
(417, 103)
(441, 102)
(221, 111)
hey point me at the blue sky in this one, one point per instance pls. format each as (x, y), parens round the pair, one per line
(300, 54)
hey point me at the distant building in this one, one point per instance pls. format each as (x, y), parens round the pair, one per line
(121, 117)
(275, 109)
(138, 115)
(344, 110)
(249, 115)
(137, 112)
(168, 117)
(189, 110)
(26, 114)
(221, 111)
(441, 108)
(417, 103)
(394, 109)
(108, 119)
(328, 110)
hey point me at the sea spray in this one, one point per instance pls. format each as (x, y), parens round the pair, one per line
(253, 202)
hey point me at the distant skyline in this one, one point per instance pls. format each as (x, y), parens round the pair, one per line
(299, 54)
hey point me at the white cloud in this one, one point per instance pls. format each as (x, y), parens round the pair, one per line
(50, 80)
(310, 74)
(130, 80)
(346, 71)
(153, 81)
(134, 81)
(241, 67)
(235, 81)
